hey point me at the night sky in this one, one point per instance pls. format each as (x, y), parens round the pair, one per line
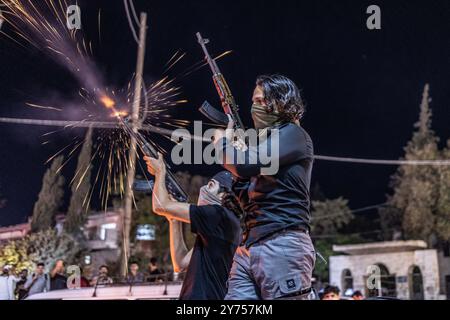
(362, 87)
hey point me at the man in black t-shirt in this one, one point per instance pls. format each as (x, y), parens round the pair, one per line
(216, 223)
(58, 280)
(153, 271)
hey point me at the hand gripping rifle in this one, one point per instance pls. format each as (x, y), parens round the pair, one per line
(228, 103)
(173, 186)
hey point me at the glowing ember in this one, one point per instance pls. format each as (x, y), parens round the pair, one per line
(42, 24)
(108, 102)
(119, 114)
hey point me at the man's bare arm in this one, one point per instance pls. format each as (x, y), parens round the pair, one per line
(176, 212)
(163, 204)
(178, 249)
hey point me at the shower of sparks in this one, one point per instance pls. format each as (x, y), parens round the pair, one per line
(42, 24)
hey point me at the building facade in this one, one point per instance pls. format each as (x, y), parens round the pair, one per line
(102, 231)
(401, 269)
(15, 232)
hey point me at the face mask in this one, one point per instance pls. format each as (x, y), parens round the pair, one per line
(205, 197)
(262, 119)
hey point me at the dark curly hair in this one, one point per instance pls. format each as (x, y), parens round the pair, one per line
(231, 202)
(282, 92)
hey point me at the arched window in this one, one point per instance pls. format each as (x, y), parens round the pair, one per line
(415, 283)
(346, 280)
(388, 286)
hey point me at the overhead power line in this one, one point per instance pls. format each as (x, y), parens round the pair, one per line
(100, 124)
(130, 20)
(351, 211)
(385, 162)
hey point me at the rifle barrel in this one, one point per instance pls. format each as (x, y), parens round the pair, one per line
(149, 150)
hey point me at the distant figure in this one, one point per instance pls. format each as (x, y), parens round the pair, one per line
(37, 282)
(84, 282)
(134, 276)
(20, 291)
(330, 293)
(7, 284)
(58, 279)
(153, 270)
(357, 295)
(103, 278)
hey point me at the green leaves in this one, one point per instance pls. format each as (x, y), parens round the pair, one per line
(329, 216)
(50, 198)
(420, 203)
(81, 186)
(44, 246)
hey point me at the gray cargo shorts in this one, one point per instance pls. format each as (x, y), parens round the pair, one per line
(278, 267)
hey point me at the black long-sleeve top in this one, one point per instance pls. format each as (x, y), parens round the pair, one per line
(280, 199)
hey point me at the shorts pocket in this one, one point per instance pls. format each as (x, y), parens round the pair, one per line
(290, 284)
(285, 286)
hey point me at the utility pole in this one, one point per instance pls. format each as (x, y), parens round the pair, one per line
(135, 125)
(1, 19)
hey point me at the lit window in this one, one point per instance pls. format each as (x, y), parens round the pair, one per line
(145, 232)
(87, 260)
(104, 228)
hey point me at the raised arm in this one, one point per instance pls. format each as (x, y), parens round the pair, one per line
(289, 145)
(178, 250)
(28, 282)
(163, 204)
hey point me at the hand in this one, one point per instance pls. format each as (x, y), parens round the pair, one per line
(171, 198)
(240, 145)
(228, 133)
(59, 265)
(230, 122)
(218, 135)
(155, 166)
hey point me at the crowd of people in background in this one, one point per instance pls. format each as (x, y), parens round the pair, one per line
(330, 292)
(18, 285)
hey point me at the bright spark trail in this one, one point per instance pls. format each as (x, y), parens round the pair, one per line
(167, 132)
(101, 125)
(43, 25)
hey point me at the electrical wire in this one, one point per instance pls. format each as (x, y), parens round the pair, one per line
(351, 212)
(133, 11)
(385, 162)
(130, 21)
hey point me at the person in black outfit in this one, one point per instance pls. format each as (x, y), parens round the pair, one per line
(58, 280)
(215, 221)
(277, 257)
(153, 270)
(20, 291)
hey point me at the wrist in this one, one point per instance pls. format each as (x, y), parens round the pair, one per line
(160, 172)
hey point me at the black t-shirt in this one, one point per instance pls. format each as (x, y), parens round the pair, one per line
(218, 236)
(153, 275)
(58, 282)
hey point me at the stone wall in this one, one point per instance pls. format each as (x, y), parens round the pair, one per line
(399, 263)
(444, 270)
